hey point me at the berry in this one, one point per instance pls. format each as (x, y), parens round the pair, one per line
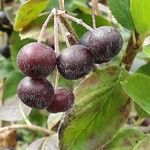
(85, 39)
(36, 60)
(75, 62)
(62, 101)
(8, 1)
(35, 93)
(105, 43)
(5, 52)
(146, 122)
(4, 21)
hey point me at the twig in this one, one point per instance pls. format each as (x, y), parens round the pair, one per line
(70, 29)
(56, 36)
(23, 115)
(73, 37)
(63, 32)
(61, 4)
(56, 39)
(22, 126)
(140, 128)
(1, 97)
(131, 51)
(78, 21)
(44, 26)
(95, 7)
(94, 20)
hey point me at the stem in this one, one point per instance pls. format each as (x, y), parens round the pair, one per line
(22, 126)
(1, 97)
(140, 128)
(56, 39)
(23, 115)
(61, 5)
(63, 32)
(95, 11)
(78, 21)
(74, 38)
(131, 51)
(44, 26)
(94, 20)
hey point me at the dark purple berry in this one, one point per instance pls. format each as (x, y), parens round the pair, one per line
(62, 101)
(35, 93)
(75, 62)
(36, 60)
(146, 122)
(5, 52)
(7, 1)
(105, 43)
(85, 39)
(4, 21)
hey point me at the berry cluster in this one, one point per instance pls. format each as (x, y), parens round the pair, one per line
(37, 61)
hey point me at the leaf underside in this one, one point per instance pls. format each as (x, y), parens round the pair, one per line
(101, 108)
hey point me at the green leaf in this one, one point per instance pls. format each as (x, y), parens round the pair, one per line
(137, 87)
(140, 111)
(52, 4)
(140, 11)
(126, 139)
(143, 144)
(70, 5)
(29, 11)
(121, 11)
(146, 50)
(5, 67)
(11, 83)
(145, 69)
(77, 4)
(66, 83)
(34, 28)
(16, 45)
(101, 108)
(80, 30)
(82, 6)
(37, 117)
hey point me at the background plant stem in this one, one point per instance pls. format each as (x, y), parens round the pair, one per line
(22, 126)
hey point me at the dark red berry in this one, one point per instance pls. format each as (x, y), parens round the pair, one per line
(146, 122)
(62, 101)
(35, 93)
(8, 1)
(4, 21)
(105, 43)
(75, 62)
(36, 60)
(85, 39)
(5, 52)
